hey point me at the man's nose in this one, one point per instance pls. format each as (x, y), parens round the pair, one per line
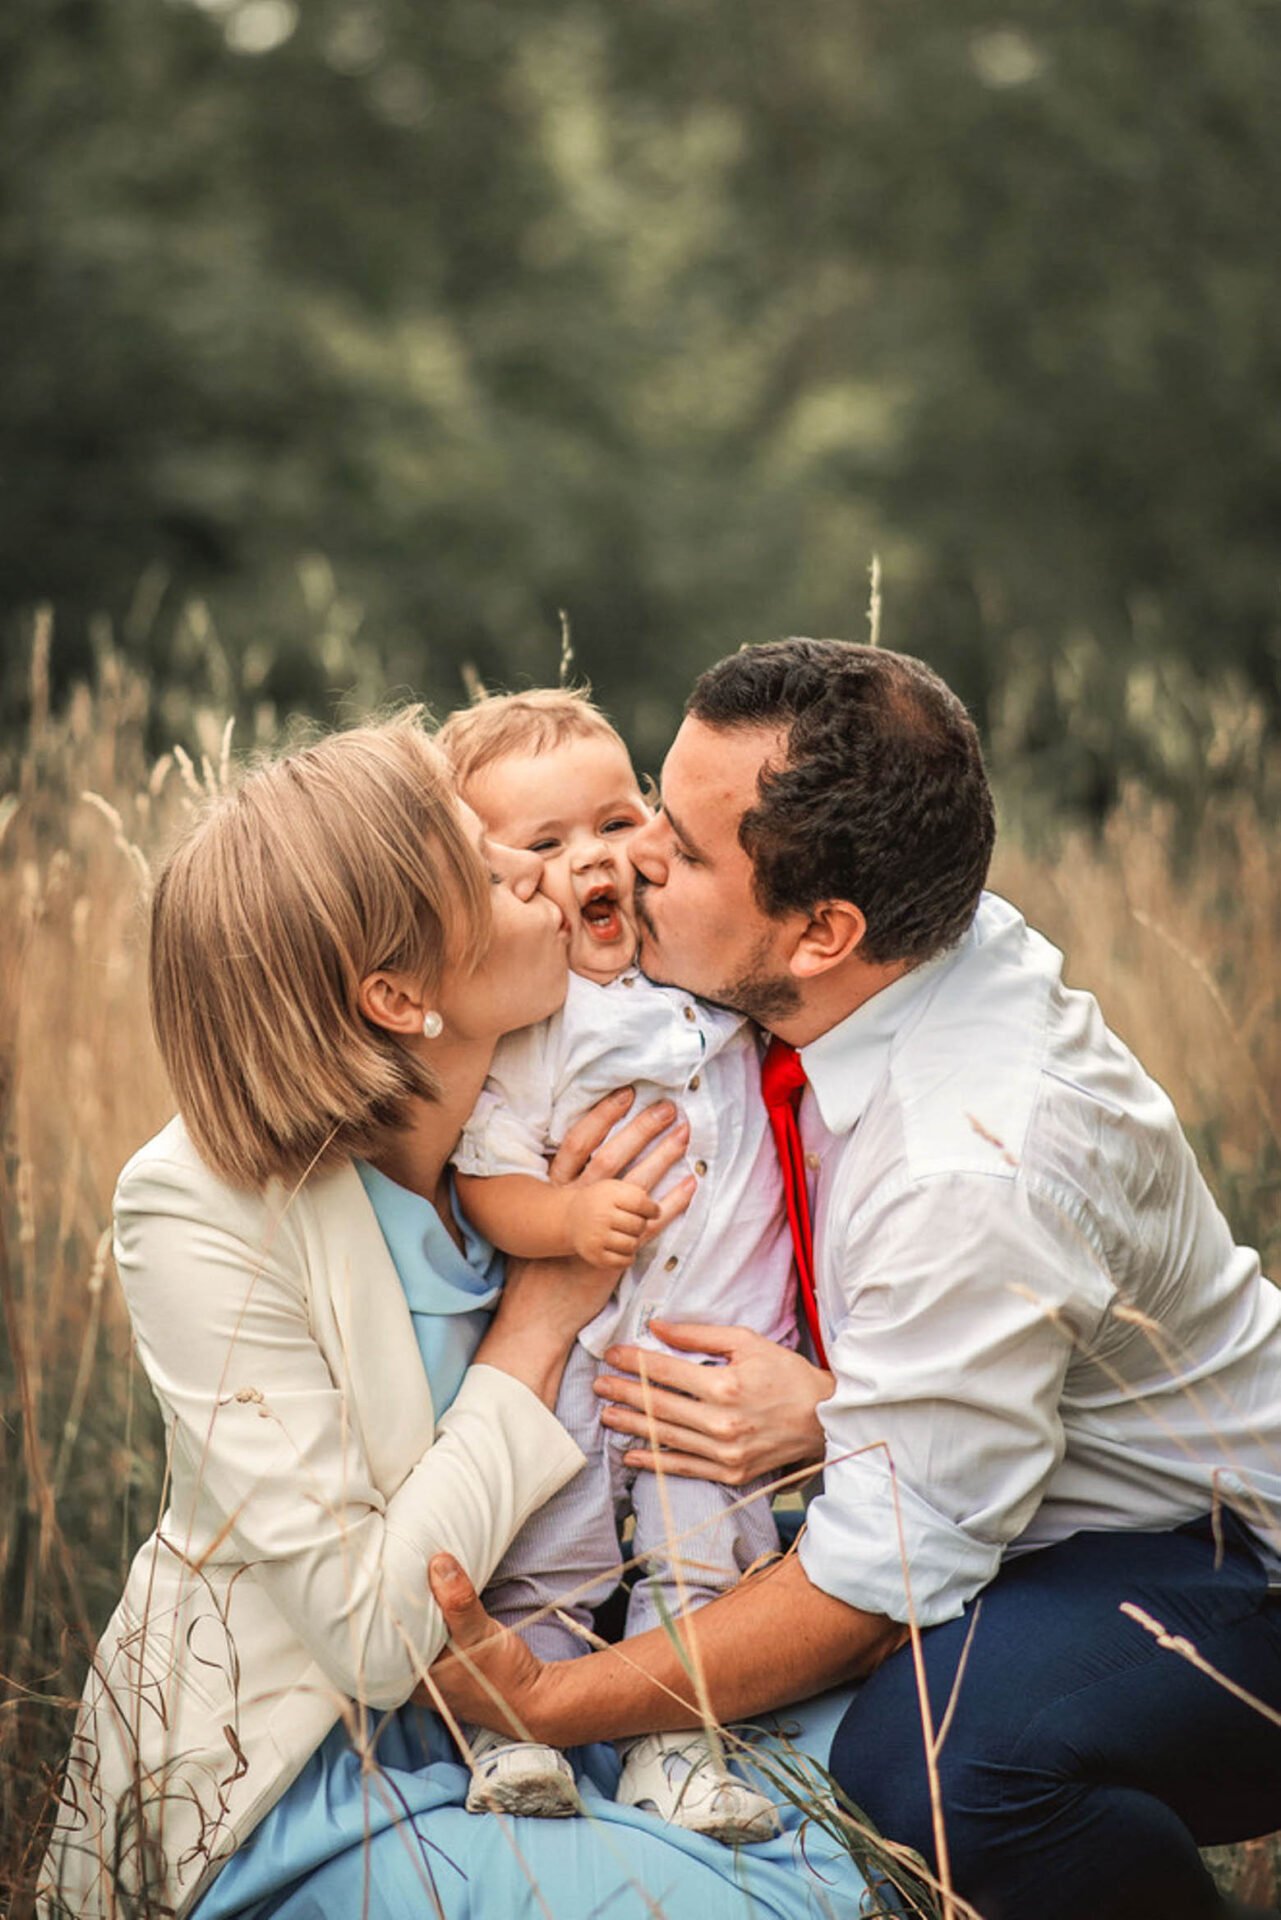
(644, 850)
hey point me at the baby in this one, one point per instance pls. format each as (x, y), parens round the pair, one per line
(546, 771)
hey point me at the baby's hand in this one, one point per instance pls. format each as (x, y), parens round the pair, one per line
(607, 1221)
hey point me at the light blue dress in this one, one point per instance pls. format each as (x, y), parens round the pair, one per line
(393, 1840)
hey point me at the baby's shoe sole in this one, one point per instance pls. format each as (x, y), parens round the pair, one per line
(540, 1793)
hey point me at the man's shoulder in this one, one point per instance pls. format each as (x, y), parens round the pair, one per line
(965, 1080)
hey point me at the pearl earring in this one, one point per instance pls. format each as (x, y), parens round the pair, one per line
(433, 1025)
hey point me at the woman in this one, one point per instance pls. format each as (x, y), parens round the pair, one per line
(331, 967)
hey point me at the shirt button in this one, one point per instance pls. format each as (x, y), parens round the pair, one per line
(690, 1014)
(700, 1168)
(670, 1265)
(813, 1162)
(696, 1083)
(629, 979)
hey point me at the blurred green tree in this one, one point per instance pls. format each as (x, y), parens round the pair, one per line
(384, 331)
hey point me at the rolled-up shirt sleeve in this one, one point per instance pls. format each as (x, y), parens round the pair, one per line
(507, 1131)
(964, 1297)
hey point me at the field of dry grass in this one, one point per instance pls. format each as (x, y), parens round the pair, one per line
(1180, 938)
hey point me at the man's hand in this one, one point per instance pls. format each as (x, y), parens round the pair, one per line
(728, 1423)
(607, 1221)
(773, 1639)
(487, 1675)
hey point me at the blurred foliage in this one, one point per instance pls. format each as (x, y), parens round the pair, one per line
(345, 344)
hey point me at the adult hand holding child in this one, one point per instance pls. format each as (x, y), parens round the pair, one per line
(756, 1413)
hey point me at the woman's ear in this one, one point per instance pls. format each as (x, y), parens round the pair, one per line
(832, 934)
(392, 1001)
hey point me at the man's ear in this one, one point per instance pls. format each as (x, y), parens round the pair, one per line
(391, 1001)
(833, 932)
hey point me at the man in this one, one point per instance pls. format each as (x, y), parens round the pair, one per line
(1040, 1335)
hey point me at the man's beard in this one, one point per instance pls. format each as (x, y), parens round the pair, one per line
(762, 995)
(757, 992)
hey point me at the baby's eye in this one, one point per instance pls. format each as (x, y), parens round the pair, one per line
(543, 846)
(624, 824)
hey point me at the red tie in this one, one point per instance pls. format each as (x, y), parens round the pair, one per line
(782, 1082)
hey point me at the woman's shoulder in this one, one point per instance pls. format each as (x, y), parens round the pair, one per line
(171, 1147)
(167, 1175)
(168, 1163)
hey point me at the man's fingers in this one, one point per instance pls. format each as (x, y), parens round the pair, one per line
(681, 1466)
(628, 1413)
(655, 1432)
(693, 1337)
(661, 1369)
(455, 1595)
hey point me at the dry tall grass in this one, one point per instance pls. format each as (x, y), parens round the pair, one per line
(1184, 960)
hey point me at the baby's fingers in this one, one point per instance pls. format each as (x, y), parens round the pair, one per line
(633, 1208)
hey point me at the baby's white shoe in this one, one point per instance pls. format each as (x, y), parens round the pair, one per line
(679, 1777)
(519, 1776)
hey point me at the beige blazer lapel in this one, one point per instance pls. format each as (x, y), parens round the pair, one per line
(372, 1328)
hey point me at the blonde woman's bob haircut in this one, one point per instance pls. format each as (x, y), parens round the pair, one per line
(335, 861)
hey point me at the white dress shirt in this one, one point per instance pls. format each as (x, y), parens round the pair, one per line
(1035, 1311)
(728, 1259)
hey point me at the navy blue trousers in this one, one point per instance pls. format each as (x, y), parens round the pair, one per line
(1085, 1764)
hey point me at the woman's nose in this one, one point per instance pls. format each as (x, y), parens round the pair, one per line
(529, 875)
(522, 870)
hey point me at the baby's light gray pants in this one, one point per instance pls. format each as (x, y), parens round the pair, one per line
(567, 1555)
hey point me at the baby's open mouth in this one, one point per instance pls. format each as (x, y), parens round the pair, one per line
(601, 915)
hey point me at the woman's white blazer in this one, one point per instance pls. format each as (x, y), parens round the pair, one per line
(309, 1486)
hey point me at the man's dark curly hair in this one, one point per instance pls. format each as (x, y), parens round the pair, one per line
(882, 800)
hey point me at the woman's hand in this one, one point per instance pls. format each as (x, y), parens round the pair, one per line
(487, 1675)
(649, 1146)
(754, 1414)
(545, 1303)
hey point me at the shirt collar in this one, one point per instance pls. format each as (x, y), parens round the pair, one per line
(844, 1064)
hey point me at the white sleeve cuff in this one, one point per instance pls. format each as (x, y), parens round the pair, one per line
(853, 1548)
(496, 1141)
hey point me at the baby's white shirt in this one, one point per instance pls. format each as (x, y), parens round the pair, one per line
(728, 1259)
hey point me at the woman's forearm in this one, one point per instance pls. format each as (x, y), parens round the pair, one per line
(544, 1304)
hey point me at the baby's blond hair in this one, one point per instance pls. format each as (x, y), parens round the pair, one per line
(499, 724)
